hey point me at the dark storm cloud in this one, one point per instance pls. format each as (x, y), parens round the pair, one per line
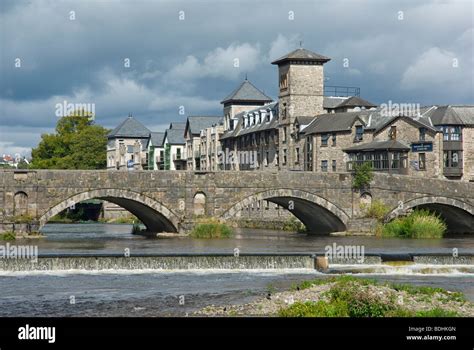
(190, 62)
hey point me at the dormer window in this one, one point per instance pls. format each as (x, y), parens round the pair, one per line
(359, 133)
(392, 134)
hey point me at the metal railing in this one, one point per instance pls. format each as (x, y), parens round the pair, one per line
(341, 91)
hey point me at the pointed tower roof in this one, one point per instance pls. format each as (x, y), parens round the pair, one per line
(130, 127)
(247, 92)
(301, 54)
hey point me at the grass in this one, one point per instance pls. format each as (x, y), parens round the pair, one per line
(294, 225)
(7, 236)
(351, 297)
(211, 228)
(130, 219)
(418, 224)
(376, 210)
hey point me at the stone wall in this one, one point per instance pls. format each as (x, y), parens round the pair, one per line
(324, 199)
(468, 153)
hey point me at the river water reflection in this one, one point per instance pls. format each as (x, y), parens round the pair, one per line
(110, 238)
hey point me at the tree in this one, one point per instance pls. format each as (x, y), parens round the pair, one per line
(77, 144)
(22, 164)
(362, 176)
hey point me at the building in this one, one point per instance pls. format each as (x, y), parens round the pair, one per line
(457, 125)
(192, 135)
(335, 142)
(156, 151)
(126, 146)
(252, 142)
(174, 148)
(262, 134)
(210, 148)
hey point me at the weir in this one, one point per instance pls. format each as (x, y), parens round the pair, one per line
(373, 263)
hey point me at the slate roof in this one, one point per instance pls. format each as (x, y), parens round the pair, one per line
(379, 145)
(247, 92)
(452, 115)
(331, 102)
(374, 120)
(332, 122)
(356, 101)
(175, 136)
(305, 120)
(178, 125)
(197, 123)
(130, 127)
(156, 139)
(302, 55)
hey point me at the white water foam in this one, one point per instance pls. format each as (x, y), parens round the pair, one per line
(65, 273)
(412, 269)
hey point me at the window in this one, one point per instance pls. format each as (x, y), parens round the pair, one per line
(334, 139)
(297, 155)
(422, 161)
(324, 165)
(422, 134)
(284, 157)
(452, 159)
(359, 133)
(334, 165)
(452, 133)
(284, 135)
(392, 134)
(178, 154)
(277, 156)
(266, 158)
(395, 160)
(324, 140)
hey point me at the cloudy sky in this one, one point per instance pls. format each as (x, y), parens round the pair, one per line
(182, 53)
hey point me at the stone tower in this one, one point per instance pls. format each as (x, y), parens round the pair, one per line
(301, 91)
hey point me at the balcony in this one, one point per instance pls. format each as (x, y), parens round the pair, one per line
(178, 157)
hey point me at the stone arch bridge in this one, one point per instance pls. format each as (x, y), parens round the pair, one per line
(170, 200)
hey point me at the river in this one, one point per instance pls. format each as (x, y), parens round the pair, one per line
(158, 293)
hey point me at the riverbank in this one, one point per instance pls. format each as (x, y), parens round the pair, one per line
(348, 296)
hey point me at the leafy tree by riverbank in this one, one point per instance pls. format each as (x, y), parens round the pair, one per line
(78, 143)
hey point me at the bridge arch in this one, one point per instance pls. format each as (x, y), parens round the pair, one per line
(458, 215)
(154, 215)
(317, 213)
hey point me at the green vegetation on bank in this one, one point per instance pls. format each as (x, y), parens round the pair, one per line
(353, 297)
(290, 224)
(211, 228)
(7, 236)
(294, 225)
(420, 223)
(129, 219)
(376, 210)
